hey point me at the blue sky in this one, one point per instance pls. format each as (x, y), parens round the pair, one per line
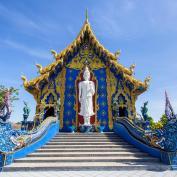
(145, 31)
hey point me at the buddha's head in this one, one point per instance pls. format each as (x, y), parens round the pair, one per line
(86, 74)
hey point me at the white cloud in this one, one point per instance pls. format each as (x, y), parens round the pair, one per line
(28, 50)
(133, 18)
(39, 26)
(17, 18)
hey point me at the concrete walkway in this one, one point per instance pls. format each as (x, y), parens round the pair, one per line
(90, 174)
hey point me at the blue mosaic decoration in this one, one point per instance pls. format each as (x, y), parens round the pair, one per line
(102, 113)
(2, 157)
(168, 136)
(69, 114)
(11, 139)
(164, 139)
(8, 159)
(6, 132)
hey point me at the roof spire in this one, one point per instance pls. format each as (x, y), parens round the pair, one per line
(86, 15)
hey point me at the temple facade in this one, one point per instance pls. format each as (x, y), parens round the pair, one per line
(56, 89)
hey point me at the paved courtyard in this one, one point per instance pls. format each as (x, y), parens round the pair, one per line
(90, 174)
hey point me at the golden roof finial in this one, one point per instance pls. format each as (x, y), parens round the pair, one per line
(39, 68)
(54, 53)
(86, 15)
(25, 81)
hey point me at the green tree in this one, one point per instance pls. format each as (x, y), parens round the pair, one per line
(163, 119)
(13, 94)
(159, 124)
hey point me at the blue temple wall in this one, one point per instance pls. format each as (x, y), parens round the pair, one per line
(69, 114)
(102, 113)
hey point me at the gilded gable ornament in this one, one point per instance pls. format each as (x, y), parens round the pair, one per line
(86, 56)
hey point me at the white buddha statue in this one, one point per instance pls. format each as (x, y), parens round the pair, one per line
(86, 92)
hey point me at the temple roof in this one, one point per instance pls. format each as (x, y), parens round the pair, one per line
(112, 60)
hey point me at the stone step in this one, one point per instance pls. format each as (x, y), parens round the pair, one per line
(87, 154)
(89, 134)
(87, 142)
(89, 150)
(93, 151)
(85, 159)
(87, 139)
(82, 166)
(61, 146)
(86, 135)
(100, 152)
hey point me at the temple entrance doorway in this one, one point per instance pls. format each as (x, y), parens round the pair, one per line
(49, 112)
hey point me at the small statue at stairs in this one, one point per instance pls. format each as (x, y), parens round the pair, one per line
(26, 112)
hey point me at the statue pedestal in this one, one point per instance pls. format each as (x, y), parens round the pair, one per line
(87, 128)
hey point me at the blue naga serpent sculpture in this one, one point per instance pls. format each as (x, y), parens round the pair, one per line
(168, 134)
(166, 137)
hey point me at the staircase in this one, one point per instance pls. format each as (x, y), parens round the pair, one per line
(94, 151)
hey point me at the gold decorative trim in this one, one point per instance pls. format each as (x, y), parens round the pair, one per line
(60, 88)
(86, 54)
(109, 96)
(31, 86)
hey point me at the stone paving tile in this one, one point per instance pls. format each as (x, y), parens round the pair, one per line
(90, 174)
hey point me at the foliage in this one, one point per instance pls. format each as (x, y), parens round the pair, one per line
(159, 124)
(156, 125)
(164, 119)
(13, 94)
(153, 125)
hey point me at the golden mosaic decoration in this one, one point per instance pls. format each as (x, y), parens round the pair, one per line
(86, 55)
